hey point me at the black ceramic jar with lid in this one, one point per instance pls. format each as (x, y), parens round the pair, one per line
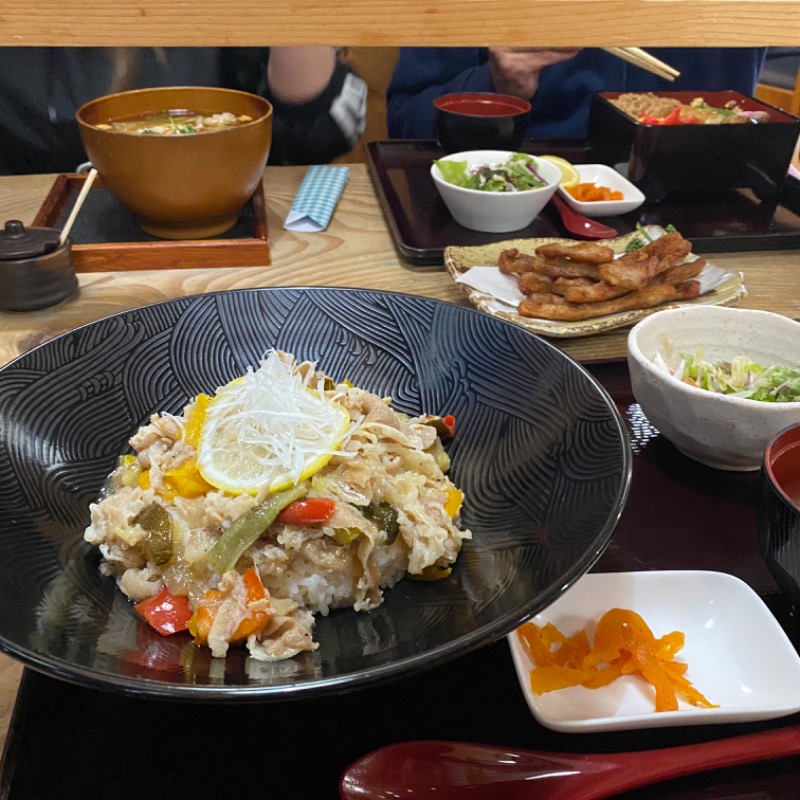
(35, 269)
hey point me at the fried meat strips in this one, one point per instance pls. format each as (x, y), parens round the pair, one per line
(587, 252)
(583, 290)
(635, 270)
(530, 282)
(513, 262)
(553, 306)
(571, 282)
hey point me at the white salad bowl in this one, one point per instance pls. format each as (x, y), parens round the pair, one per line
(494, 212)
(603, 175)
(721, 431)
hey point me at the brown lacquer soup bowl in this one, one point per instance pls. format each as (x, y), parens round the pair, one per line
(183, 160)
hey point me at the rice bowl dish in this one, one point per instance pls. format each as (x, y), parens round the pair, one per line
(284, 495)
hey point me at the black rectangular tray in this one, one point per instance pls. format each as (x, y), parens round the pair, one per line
(73, 743)
(422, 227)
(106, 238)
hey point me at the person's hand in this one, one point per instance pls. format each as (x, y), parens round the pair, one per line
(516, 70)
(298, 74)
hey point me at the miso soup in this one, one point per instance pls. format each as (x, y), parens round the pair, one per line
(174, 123)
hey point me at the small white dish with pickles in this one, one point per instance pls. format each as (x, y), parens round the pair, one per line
(738, 656)
(603, 175)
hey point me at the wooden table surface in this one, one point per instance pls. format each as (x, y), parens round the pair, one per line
(355, 251)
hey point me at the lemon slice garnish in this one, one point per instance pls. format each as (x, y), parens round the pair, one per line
(270, 429)
(569, 175)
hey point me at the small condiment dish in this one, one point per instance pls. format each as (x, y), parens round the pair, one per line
(495, 212)
(719, 430)
(738, 655)
(603, 175)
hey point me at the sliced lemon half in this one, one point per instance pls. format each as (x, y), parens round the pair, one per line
(268, 429)
(569, 175)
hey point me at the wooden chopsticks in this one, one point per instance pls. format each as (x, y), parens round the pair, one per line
(640, 58)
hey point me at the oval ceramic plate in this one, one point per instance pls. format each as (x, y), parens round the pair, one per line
(540, 451)
(738, 655)
(475, 270)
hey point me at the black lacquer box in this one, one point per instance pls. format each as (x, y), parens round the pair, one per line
(661, 159)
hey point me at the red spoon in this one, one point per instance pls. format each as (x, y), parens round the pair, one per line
(580, 226)
(432, 770)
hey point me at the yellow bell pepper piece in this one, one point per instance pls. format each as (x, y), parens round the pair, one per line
(191, 430)
(455, 497)
(186, 481)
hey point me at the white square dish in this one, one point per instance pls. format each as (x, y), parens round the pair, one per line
(738, 655)
(603, 175)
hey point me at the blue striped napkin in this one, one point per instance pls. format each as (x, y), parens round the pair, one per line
(316, 199)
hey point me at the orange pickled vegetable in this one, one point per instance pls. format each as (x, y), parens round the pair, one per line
(592, 193)
(546, 679)
(623, 645)
(533, 643)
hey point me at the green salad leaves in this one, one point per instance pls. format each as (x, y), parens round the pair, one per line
(643, 238)
(742, 377)
(518, 174)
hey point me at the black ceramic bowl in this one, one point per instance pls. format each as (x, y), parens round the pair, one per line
(779, 510)
(541, 453)
(480, 121)
(661, 159)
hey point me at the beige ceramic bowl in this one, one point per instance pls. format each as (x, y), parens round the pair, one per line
(180, 187)
(717, 430)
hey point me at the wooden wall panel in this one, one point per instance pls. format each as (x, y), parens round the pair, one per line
(400, 22)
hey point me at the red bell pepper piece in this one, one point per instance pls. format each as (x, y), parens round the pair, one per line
(673, 116)
(166, 612)
(307, 511)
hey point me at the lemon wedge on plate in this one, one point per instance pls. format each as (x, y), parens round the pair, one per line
(569, 175)
(270, 429)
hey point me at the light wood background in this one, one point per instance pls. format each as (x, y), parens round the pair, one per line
(400, 22)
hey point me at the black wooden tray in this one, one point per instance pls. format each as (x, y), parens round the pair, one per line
(73, 743)
(106, 238)
(422, 227)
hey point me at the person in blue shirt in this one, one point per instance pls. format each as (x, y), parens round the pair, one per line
(558, 82)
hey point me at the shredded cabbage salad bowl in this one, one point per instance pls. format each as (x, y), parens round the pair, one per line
(717, 382)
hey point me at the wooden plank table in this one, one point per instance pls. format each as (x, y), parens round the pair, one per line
(356, 251)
